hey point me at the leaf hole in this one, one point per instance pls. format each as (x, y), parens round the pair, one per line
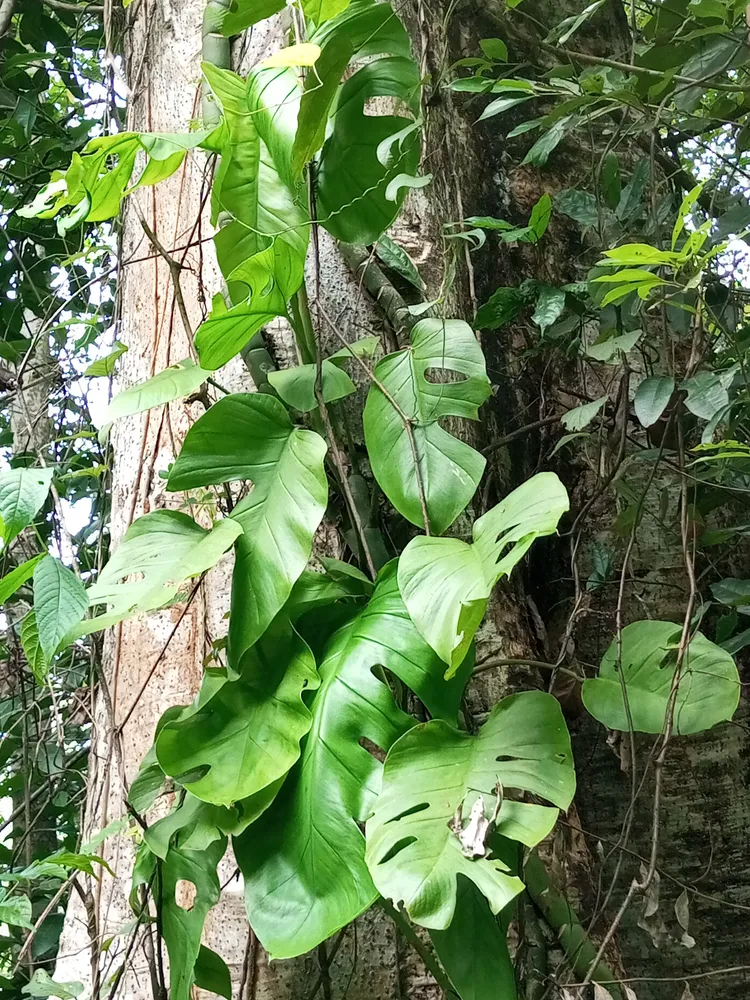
(411, 811)
(375, 107)
(185, 893)
(503, 758)
(443, 376)
(373, 749)
(195, 774)
(397, 848)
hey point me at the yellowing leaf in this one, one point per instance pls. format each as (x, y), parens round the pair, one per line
(304, 54)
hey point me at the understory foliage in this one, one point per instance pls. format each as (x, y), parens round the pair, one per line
(328, 740)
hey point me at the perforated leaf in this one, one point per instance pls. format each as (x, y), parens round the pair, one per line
(250, 436)
(303, 861)
(709, 685)
(434, 770)
(446, 582)
(450, 469)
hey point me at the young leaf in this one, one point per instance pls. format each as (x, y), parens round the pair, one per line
(579, 417)
(22, 494)
(612, 347)
(250, 436)
(296, 386)
(173, 383)
(106, 366)
(709, 686)
(445, 582)
(652, 397)
(449, 470)
(60, 602)
(247, 735)
(435, 771)
(163, 548)
(304, 860)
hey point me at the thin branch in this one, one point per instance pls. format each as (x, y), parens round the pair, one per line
(175, 269)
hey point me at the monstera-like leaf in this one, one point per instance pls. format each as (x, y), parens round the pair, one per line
(303, 861)
(446, 582)
(708, 691)
(263, 235)
(401, 417)
(250, 436)
(247, 735)
(163, 548)
(433, 772)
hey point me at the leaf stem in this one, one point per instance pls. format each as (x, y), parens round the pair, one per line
(429, 959)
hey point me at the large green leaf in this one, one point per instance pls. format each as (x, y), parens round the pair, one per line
(15, 910)
(709, 685)
(247, 735)
(164, 549)
(182, 925)
(475, 931)
(212, 974)
(174, 382)
(434, 771)
(244, 13)
(446, 582)
(250, 436)
(60, 602)
(22, 493)
(450, 469)
(263, 235)
(303, 861)
(365, 153)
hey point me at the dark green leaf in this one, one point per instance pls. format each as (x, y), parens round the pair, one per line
(60, 602)
(212, 974)
(17, 577)
(22, 494)
(502, 307)
(651, 398)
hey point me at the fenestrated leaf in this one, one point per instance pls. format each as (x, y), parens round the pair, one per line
(173, 383)
(651, 398)
(247, 735)
(60, 602)
(165, 548)
(445, 582)
(449, 468)
(182, 925)
(38, 662)
(475, 931)
(303, 861)
(709, 686)
(22, 493)
(17, 577)
(296, 386)
(250, 436)
(434, 771)
(364, 153)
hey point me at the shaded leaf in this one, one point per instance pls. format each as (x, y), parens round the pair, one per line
(60, 602)
(22, 495)
(579, 417)
(651, 398)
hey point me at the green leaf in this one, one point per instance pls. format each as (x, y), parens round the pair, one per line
(581, 206)
(60, 602)
(475, 931)
(250, 436)
(539, 153)
(22, 495)
(612, 347)
(303, 861)
(708, 691)
(17, 577)
(322, 10)
(581, 416)
(38, 662)
(15, 911)
(651, 398)
(735, 593)
(395, 257)
(247, 735)
(550, 303)
(321, 87)
(540, 216)
(502, 104)
(570, 25)
(631, 197)
(450, 470)
(42, 984)
(164, 549)
(494, 48)
(296, 386)
(501, 307)
(105, 366)
(211, 973)
(445, 582)
(173, 383)
(244, 13)
(434, 772)
(364, 153)
(706, 394)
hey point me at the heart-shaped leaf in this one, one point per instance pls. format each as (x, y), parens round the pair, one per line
(251, 436)
(247, 735)
(303, 861)
(446, 582)
(434, 772)
(709, 685)
(449, 469)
